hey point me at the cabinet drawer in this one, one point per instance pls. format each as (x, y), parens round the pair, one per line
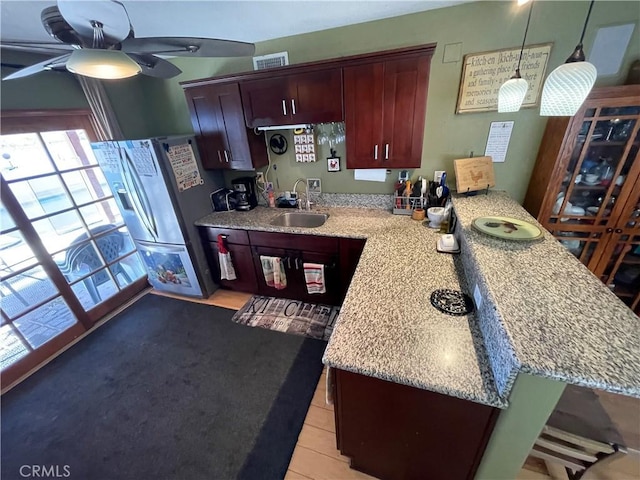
(294, 241)
(238, 237)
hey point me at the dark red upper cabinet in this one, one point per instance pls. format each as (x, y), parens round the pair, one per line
(363, 92)
(218, 121)
(385, 107)
(312, 97)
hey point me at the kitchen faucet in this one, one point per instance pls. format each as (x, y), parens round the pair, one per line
(306, 194)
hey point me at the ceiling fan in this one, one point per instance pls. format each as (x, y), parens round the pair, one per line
(103, 45)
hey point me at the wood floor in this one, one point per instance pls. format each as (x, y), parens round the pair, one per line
(316, 457)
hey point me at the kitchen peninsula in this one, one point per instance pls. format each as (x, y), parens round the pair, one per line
(544, 320)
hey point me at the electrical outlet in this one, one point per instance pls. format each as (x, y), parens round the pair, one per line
(437, 175)
(259, 177)
(477, 296)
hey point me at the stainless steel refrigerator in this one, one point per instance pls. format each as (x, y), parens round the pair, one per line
(161, 189)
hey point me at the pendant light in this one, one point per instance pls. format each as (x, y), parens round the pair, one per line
(512, 92)
(566, 89)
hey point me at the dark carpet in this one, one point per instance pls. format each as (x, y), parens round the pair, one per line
(166, 389)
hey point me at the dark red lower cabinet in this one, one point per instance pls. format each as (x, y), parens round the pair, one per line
(394, 431)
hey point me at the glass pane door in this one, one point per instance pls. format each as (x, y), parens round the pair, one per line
(64, 193)
(58, 212)
(33, 312)
(622, 270)
(586, 246)
(599, 165)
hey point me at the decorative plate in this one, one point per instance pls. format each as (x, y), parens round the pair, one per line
(278, 144)
(507, 228)
(452, 302)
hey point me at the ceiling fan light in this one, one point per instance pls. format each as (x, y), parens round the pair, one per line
(566, 89)
(103, 64)
(511, 95)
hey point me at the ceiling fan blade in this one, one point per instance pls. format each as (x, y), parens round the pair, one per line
(44, 49)
(153, 66)
(189, 47)
(49, 64)
(110, 13)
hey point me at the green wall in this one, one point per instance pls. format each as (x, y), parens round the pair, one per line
(47, 90)
(479, 26)
(531, 402)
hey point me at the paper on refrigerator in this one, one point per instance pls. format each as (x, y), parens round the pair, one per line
(184, 165)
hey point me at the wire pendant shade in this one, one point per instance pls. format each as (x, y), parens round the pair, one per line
(567, 88)
(511, 95)
(512, 92)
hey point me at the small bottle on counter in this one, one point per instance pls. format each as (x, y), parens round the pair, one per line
(272, 199)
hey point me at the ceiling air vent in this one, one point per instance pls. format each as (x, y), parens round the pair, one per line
(271, 61)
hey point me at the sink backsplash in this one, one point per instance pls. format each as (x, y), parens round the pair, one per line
(368, 200)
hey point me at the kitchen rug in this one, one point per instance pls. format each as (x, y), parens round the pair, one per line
(290, 316)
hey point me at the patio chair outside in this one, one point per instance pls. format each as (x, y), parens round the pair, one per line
(82, 259)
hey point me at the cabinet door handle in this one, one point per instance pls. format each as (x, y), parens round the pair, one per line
(386, 151)
(226, 156)
(618, 230)
(293, 106)
(219, 157)
(284, 107)
(609, 230)
(375, 152)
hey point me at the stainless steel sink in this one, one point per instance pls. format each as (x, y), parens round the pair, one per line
(300, 219)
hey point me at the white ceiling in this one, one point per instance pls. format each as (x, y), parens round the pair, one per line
(244, 20)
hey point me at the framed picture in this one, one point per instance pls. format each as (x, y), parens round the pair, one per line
(333, 164)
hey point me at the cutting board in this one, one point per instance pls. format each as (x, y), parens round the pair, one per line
(474, 173)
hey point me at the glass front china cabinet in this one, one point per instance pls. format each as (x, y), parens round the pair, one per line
(585, 187)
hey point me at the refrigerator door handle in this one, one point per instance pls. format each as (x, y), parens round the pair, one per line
(164, 247)
(144, 201)
(134, 194)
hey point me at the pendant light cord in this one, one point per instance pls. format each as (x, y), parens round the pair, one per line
(525, 38)
(586, 22)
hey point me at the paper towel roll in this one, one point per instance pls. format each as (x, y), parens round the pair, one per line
(371, 174)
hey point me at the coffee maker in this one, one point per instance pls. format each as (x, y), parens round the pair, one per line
(245, 188)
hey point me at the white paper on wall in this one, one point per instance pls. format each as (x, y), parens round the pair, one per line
(498, 141)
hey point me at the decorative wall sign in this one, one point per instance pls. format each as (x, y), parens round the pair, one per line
(484, 73)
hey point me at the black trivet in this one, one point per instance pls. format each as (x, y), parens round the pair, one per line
(452, 302)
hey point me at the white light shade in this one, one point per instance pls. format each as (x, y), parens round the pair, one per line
(511, 95)
(105, 64)
(566, 89)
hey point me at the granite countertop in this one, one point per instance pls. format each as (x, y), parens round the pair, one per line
(387, 327)
(557, 319)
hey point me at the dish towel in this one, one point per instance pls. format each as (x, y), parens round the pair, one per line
(273, 271)
(314, 277)
(227, 272)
